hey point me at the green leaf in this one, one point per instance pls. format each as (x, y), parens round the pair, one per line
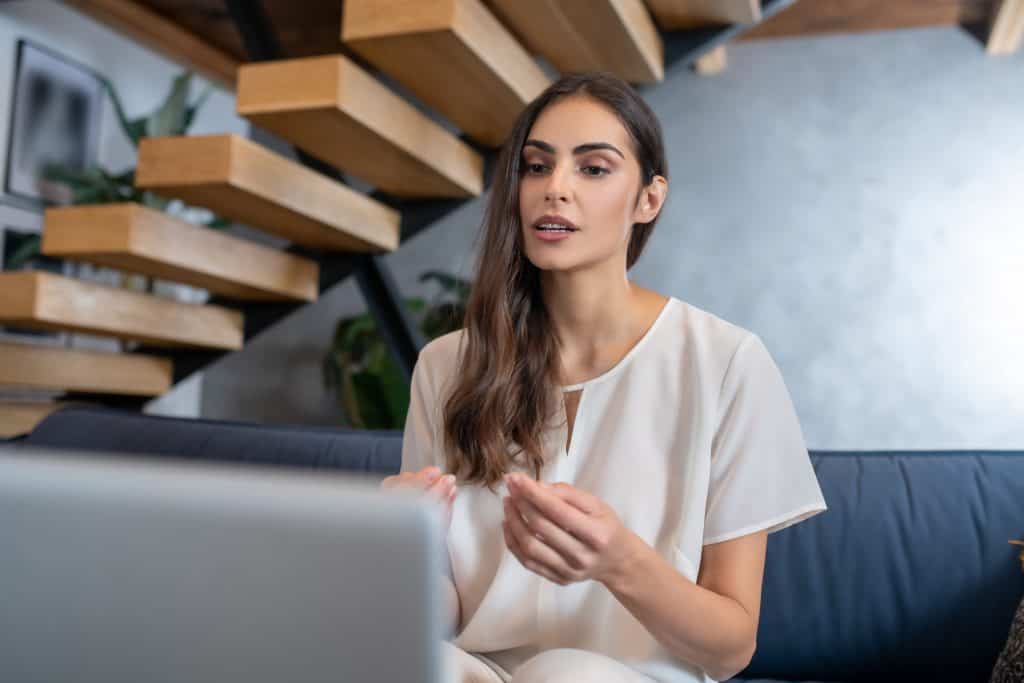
(70, 176)
(443, 318)
(372, 400)
(169, 119)
(136, 129)
(133, 130)
(416, 305)
(396, 393)
(90, 195)
(190, 113)
(126, 177)
(448, 283)
(25, 252)
(218, 223)
(154, 201)
(378, 391)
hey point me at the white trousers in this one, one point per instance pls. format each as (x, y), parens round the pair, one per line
(561, 665)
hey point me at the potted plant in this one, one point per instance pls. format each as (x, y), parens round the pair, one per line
(371, 390)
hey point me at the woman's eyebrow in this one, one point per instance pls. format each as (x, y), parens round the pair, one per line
(578, 149)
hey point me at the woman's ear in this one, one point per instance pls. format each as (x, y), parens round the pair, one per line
(652, 198)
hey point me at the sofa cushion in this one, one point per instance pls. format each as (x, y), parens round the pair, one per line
(907, 576)
(101, 429)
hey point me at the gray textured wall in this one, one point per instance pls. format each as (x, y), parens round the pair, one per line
(856, 200)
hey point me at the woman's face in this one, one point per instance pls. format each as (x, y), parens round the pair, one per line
(578, 164)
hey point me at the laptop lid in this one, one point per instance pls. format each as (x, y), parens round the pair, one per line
(124, 570)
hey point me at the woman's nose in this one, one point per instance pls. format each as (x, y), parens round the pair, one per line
(557, 187)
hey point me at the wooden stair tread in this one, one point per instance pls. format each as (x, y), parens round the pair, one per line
(454, 56)
(337, 112)
(681, 14)
(617, 36)
(241, 180)
(93, 372)
(21, 417)
(1007, 30)
(138, 239)
(51, 302)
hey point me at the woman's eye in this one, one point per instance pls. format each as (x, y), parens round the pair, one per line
(595, 171)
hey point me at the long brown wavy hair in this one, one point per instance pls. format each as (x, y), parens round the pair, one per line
(507, 384)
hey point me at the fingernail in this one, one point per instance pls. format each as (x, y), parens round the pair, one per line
(449, 479)
(432, 475)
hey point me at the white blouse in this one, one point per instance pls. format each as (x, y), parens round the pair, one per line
(691, 438)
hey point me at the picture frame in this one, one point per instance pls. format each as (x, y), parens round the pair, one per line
(56, 112)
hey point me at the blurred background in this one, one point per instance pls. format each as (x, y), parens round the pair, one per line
(846, 180)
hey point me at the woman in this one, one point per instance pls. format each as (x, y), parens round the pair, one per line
(606, 440)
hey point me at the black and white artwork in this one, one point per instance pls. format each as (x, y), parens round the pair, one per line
(55, 118)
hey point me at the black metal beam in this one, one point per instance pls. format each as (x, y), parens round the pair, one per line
(689, 45)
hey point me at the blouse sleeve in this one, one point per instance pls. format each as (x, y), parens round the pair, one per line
(761, 475)
(420, 433)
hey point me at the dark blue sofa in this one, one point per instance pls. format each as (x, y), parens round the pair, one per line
(908, 576)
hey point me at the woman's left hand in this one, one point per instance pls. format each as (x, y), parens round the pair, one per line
(562, 533)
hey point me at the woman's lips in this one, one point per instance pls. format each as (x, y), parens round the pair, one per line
(551, 236)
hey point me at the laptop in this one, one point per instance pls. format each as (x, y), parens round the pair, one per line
(117, 569)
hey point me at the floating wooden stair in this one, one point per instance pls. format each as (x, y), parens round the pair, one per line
(618, 36)
(1007, 32)
(18, 418)
(454, 55)
(337, 112)
(681, 14)
(137, 239)
(51, 302)
(241, 180)
(38, 367)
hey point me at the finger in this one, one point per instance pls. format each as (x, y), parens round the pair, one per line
(442, 488)
(581, 500)
(564, 515)
(404, 478)
(531, 547)
(565, 544)
(429, 474)
(442, 483)
(530, 564)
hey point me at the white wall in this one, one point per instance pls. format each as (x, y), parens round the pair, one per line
(142, 79)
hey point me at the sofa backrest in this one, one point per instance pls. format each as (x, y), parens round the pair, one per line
(371, 452)
(907, 576)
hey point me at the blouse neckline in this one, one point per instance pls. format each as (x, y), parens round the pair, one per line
(624, 361)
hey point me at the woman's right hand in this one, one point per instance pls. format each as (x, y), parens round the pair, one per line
(430, 480)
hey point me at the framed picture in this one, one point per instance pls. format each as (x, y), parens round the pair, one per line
(55, 119)
(20, 232)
